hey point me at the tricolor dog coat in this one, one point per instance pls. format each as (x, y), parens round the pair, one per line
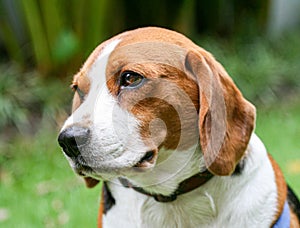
(160, 121)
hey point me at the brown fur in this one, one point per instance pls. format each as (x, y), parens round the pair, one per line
(174, 65)
(167, 72)
(163, 90)
(220, 100)
(294, 220)
(281, 188)
(101, 210)
(282, 195)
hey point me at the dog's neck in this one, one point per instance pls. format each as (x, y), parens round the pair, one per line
(172, 168)
(211, 205)
(185, 186)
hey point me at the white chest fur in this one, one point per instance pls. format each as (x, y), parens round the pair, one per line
(246, 200)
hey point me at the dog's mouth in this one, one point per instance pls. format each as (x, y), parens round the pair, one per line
(83, 168)
(147, 161)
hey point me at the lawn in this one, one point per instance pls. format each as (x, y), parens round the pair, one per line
(38, 189)
(279, 128)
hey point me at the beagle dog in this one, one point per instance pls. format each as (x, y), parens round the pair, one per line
(160, 121)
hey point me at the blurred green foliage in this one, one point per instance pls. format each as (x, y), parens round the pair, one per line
(13, 100)
(55, 36)
(26, 100)
(47, 41)
(265, 70)
(38, 188)
(44, 42)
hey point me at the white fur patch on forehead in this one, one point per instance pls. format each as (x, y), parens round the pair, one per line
(111, 128)
(97, 71)
(110, 47)
(96, 74)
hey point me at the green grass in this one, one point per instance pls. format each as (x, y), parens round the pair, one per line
(38, 188)
(279, 128)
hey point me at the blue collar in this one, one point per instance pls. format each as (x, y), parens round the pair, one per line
(284, 219)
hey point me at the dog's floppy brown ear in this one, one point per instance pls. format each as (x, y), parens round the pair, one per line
(90, 182)
(226, 119)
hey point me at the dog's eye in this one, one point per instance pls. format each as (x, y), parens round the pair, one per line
(130, 79)
(80, 93)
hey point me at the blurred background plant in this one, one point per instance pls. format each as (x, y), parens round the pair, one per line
(44, 42)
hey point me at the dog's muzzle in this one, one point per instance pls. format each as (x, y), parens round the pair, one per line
(72, 139)
(77, 144)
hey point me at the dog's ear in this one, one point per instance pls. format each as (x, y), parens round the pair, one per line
(226, 119)
(90, 182)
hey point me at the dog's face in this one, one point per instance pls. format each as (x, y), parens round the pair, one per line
(146, 94)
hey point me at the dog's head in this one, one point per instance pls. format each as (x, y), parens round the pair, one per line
(149, 91)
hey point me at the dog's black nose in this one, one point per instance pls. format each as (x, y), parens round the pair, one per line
(72, 138)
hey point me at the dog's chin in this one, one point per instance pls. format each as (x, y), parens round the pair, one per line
(107, 170)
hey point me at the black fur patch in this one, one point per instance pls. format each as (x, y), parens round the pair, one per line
(108, 198)
(239, 168)
(293, 202)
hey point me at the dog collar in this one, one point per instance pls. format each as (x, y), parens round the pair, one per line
(284, 219)
(184, 187)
